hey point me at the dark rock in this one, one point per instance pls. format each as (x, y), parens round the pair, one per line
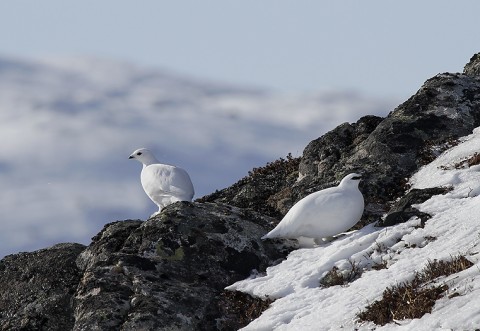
(402, 210)
(37, 289)
(472, 68)
(263, 190)
(324, 155)
(169, 272)
(388, 151)
(239, 309)
(271, 189)
(445, 108)
(108, 241)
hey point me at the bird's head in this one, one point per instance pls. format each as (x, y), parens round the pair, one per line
(351, 180)
(144, 156)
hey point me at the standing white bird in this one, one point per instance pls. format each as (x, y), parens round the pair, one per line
(163, 183)
(323, 214)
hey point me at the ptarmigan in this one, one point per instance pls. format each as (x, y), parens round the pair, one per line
(323, 214)
(163, 183)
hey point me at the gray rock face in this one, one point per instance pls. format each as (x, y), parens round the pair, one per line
(169, 273)
(472, 68)
(387, 150)
(402, 210)
(445, 108)
(37, 288)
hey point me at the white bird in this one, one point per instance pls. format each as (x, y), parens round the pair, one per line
(323, 214)
(163, 183)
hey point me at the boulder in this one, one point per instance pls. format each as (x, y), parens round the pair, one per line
(387, 150)
(403, 209)
(472, 68)
(37, 288)
(169, 272)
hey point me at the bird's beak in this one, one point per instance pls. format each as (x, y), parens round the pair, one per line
(131, 157)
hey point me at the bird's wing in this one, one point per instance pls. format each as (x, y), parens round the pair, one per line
(160, 179)
(309, 209)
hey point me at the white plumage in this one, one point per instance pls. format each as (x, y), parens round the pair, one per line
(323, 214)
(163, 183)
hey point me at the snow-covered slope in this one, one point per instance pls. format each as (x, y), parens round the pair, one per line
(403, 249)
(67, 127)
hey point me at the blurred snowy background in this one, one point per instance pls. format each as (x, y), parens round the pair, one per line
(214, 87)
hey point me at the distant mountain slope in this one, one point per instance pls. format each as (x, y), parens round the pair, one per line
(68, 125)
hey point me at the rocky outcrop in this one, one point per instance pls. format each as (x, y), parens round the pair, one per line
(263, 189)
(387, 150)
(169, 273)
(403, 210)
(472, 68)
(37, 288)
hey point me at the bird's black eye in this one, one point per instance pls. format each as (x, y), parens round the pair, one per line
(139, 153)
(357, 177)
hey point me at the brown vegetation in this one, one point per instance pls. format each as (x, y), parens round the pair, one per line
(415, 298)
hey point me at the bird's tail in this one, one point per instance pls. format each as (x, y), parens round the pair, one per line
(269, 235)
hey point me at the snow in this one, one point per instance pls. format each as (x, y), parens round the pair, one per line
(405, 248)
(69, 124)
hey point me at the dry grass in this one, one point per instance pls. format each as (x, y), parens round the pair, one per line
(468, 162)
(402, 301)
(432, 149)
(284, 166)
(379, 266)
(474, 160)
(240, 308)
(335, 277)
(435, 268)
(415, 298)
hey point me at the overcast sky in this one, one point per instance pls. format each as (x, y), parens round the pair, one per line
(382, 48)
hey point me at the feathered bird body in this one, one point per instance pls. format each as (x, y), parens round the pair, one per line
(166, 184)
(324, 213)
(163, 183)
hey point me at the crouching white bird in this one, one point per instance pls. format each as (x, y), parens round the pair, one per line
(163, 183)
(323, 214)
